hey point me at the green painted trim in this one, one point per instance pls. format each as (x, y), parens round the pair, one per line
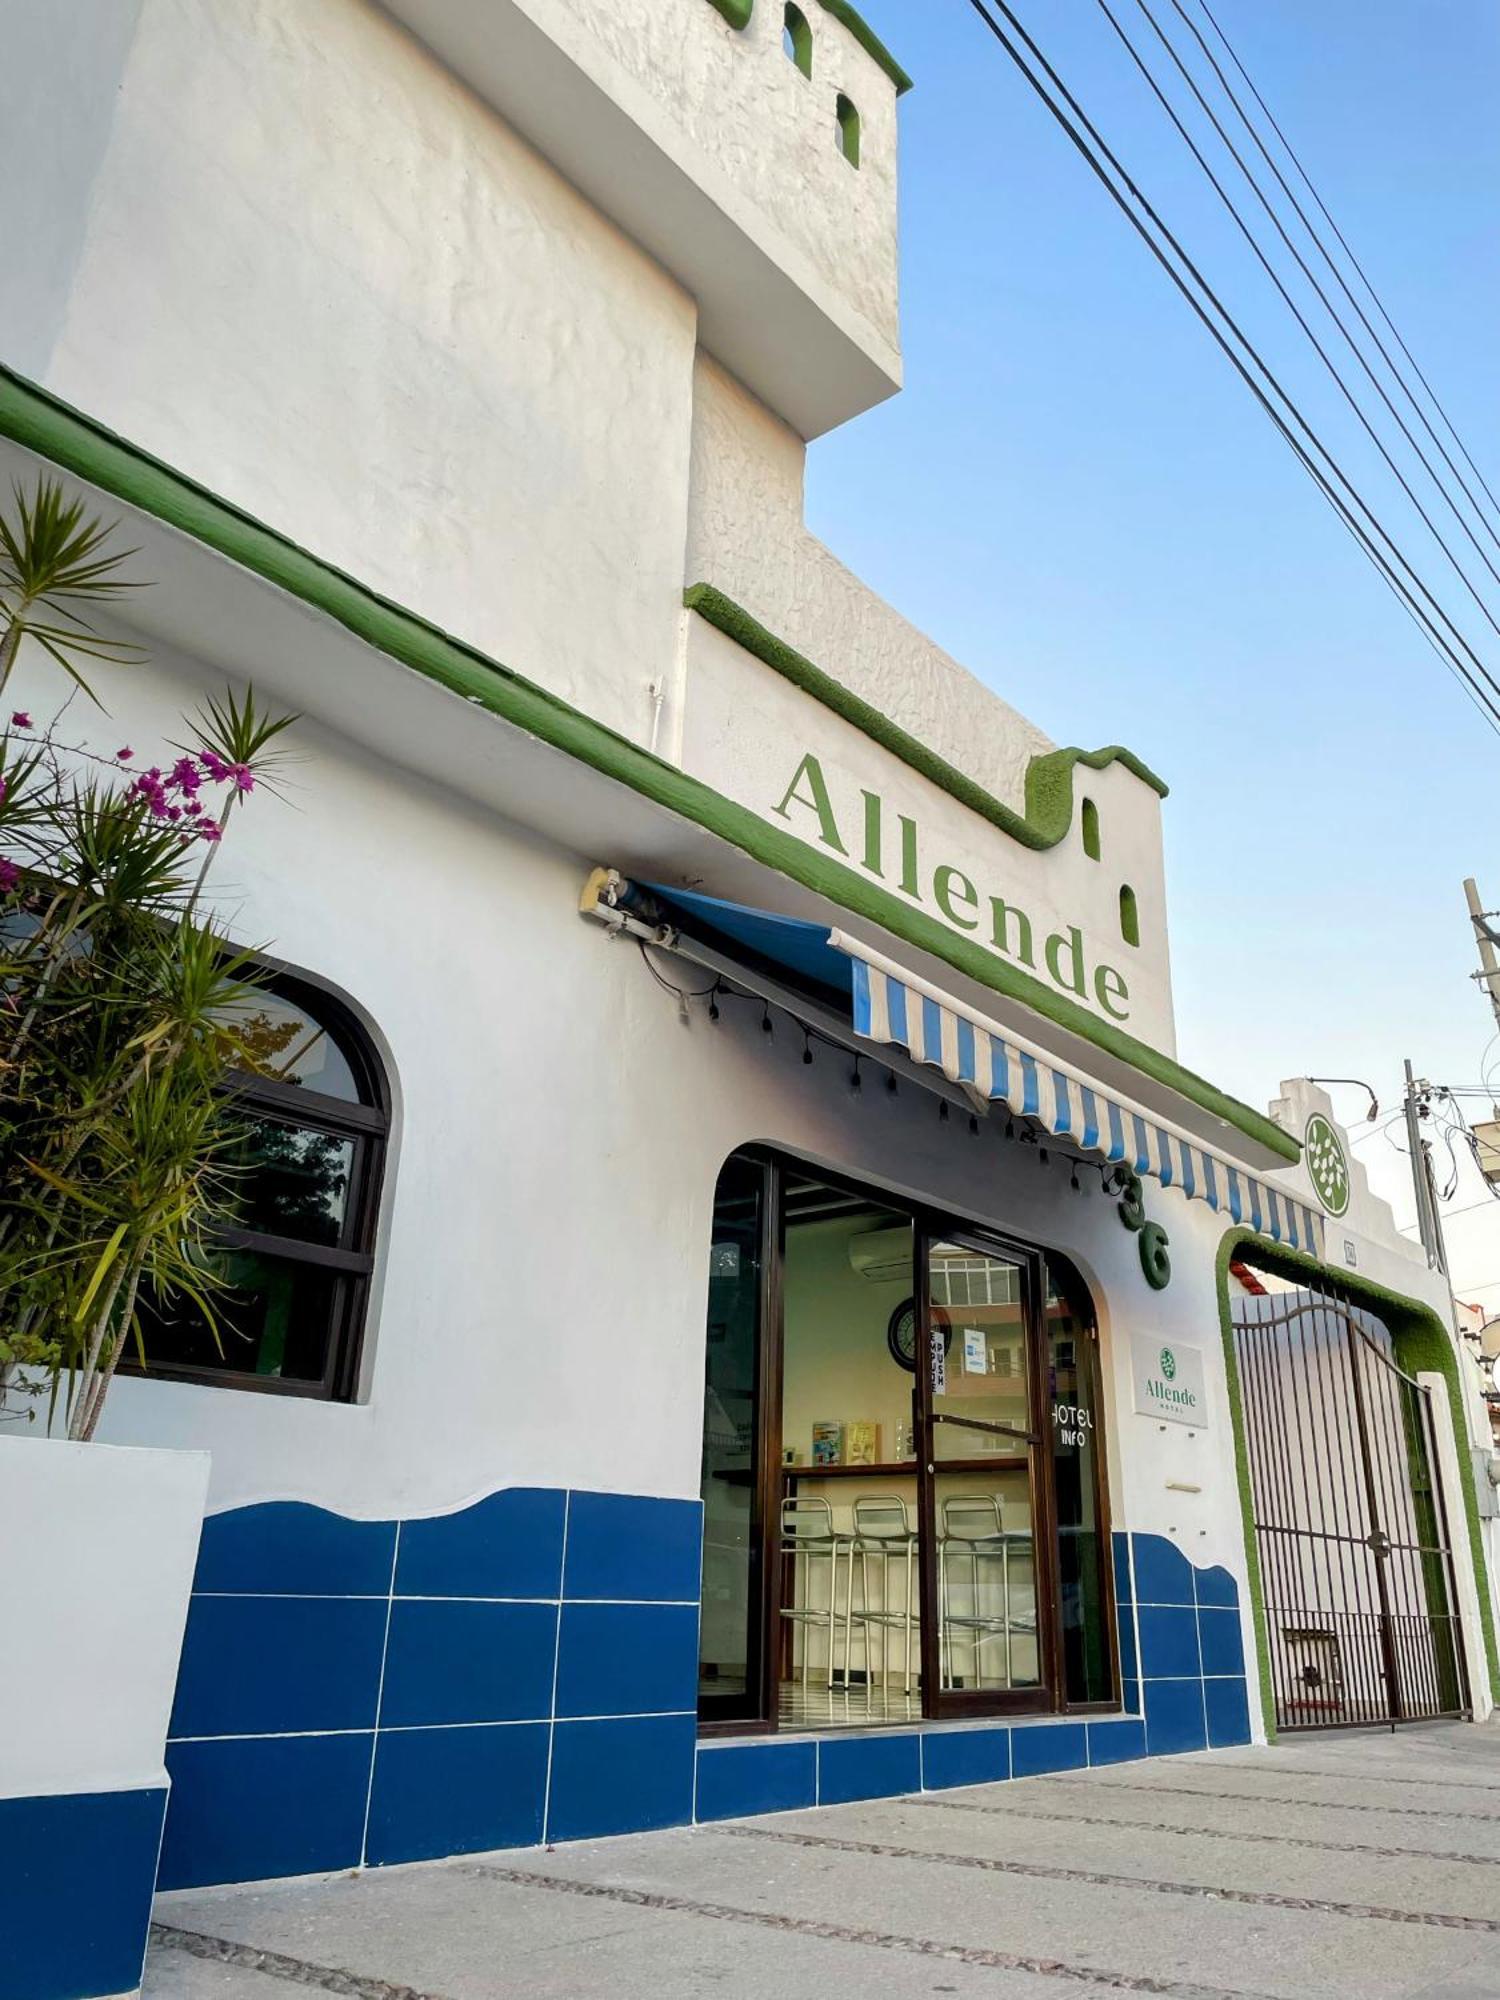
(868, 40)
(1049, 778)
(32, 418)
(736, 12)
(1421, 1343)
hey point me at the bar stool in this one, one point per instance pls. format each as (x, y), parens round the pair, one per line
(972, 1532)
(808, 1536)
(882, 1529)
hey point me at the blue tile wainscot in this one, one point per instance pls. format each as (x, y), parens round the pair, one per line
(369, 1692)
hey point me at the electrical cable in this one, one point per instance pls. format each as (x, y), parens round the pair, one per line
(1295, 310)
(1348, 252)
(1095, 152)
(1312, 230)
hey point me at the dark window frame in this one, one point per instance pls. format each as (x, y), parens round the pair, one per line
(352, 1259)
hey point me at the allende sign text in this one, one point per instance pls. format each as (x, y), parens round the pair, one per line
(893, 852)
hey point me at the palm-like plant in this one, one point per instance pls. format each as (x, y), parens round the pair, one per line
(53, 558)
(122, 1009)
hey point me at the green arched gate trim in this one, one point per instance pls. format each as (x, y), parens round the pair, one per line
(1421, 1343)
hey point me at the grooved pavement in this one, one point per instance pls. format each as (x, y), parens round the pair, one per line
(1356, 1867)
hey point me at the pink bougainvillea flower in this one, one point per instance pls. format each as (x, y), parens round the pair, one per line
(185, 775)
(215, 766)
(10, 875)
(193, 808)
(124, 756)
(4, 788)
(244, 777)
(20, 720)
(210, 830)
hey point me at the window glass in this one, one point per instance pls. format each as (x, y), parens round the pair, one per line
(290, 1046)
(276, 1318)
(1083, 1541)
(295, 1181)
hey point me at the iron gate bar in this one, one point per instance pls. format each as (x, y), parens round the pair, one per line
(1349, 1520)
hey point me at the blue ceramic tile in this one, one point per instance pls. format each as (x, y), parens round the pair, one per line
(457, 1791)
(1218, 1588)
(75, 1891)
(867, 1767)
(1228, 1706)
(1169, 1641)
(745, 1778)
(1124, 1589)
(1163, 1574)
(263, 1806)
(1116, 1742)
(267, 1665)
(509, 1545)
(1130, 1666)
(284, 1547)
(621, 1777)
(1048, 1746)
(461, 1661)
(1174, 1717)
(1222, 1641)
(964, 1757)
(623, 1546)
(627, 1659)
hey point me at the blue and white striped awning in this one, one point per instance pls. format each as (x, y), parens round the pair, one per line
(995, 1065)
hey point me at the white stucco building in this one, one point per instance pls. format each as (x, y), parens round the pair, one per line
(744, 1032)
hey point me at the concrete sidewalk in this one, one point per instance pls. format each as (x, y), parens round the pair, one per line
(1356, 1866)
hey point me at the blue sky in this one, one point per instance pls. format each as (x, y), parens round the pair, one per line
(1079, 499)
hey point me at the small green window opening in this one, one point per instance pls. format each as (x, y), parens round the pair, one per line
(796, 39)
(848, 129)
(1130, 916)
(1090, 819)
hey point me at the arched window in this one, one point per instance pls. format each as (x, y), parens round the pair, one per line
(848, 129)
(299, 1258)
(1089, 817)
(1130, 917)
(796, 39)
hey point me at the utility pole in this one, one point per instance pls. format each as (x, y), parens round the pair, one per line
(1428, 1221)
(1489, 973)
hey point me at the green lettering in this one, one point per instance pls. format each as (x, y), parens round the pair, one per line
(949, 886)
(872, 832)
(1110, 986)
(1001, 914)
(1072, 941)
(816, 801)
(909, 883)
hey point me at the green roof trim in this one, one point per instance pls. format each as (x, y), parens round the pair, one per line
(33, 418)
(736, 12)
(868, 40)
(1421, 1343)
(1049, 777)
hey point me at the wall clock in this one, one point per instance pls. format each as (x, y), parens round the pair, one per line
(901, 1333)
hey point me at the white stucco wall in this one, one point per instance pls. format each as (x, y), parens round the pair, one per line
(95, 1569)
(746, 535)
(323, 279)
(771, 129)
(539, 1304)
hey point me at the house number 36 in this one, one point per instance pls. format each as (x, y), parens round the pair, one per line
(1151, 1238)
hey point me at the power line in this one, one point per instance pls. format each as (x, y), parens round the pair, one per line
(1315, 237)
(1344, 246)
(1291, 304)
(1104, 164)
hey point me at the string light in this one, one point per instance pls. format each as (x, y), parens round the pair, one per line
(973, 1124)
(713, 1002)
(765, 1022)
(806, 1046)
(856, 1080)
(890, 1082)
(942, 1110)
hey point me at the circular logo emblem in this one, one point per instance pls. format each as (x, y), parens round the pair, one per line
(1168, 1363)
(1326, 1164)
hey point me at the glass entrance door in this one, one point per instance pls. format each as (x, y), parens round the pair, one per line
(986, 1590)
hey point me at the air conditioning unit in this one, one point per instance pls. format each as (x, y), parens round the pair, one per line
(882, 1255)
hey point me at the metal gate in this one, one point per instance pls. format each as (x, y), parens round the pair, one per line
(1353, 1539)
